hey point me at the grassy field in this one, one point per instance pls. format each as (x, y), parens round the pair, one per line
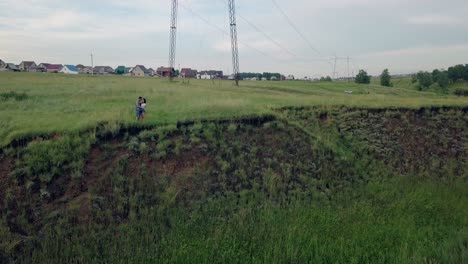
(60, 103)
(383, 183)
(356, 187)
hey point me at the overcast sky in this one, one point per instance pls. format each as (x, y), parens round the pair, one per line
(402, 35)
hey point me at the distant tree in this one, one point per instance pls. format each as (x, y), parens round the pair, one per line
(424, 79)
(385, 78)
(456, 73)
(267, 75)
(328, 79)
(363, 77)
(443, 81)
(435, 75)
(250, 75)
(414, 79)
(465, 73)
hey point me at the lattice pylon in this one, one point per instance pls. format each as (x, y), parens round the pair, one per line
(234, 45)
(173, 38)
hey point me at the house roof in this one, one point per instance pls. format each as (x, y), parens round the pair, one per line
(28, 63)
(104, 68)
(12, 66)
(143, 68)
(164, 69)
(72, 68)
(212, 72)
(187, 70)
(53, 66)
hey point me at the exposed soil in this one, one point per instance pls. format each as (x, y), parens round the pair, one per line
(6, 166)
(276, 158)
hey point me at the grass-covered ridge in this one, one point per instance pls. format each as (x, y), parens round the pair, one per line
(52, 104)
(319, 185)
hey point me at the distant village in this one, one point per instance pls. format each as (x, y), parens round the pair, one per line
(138, 71)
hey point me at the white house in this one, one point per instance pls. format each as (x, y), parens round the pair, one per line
(86, 70)
(69, 69)
(28, 66)
(139, 71)
(204, 76)
(208, 75)
(290, 77)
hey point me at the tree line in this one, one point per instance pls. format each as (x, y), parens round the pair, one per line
(442, 78)
(438, 79)
(267, 75)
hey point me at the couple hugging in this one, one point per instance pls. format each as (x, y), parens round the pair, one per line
(140, 108)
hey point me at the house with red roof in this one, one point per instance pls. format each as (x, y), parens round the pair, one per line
(188, 73)
(54, 68)
(165, 71)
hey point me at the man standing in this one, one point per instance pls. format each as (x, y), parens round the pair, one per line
(138, 108)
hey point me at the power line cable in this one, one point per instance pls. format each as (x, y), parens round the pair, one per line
(256, 28)
(291, 23)
(267, 36)
(223, 31)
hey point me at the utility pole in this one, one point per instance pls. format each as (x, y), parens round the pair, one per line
(234, 46)
(92, 64)
(348, 67)
(172, 39)
(334, 67)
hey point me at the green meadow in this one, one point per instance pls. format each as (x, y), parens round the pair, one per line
(268, 172)
(63, 103)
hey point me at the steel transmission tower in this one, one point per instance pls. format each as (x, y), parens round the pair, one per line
(234, 46)
(173, 36)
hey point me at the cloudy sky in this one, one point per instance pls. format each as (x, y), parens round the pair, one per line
(404, 36)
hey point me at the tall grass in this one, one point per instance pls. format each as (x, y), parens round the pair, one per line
(404, 220)
(61, 103)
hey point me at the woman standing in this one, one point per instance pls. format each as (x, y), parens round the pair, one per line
(138, 108)
(142, 107)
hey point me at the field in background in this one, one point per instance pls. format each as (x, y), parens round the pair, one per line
(63, 103)
(406, 83)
